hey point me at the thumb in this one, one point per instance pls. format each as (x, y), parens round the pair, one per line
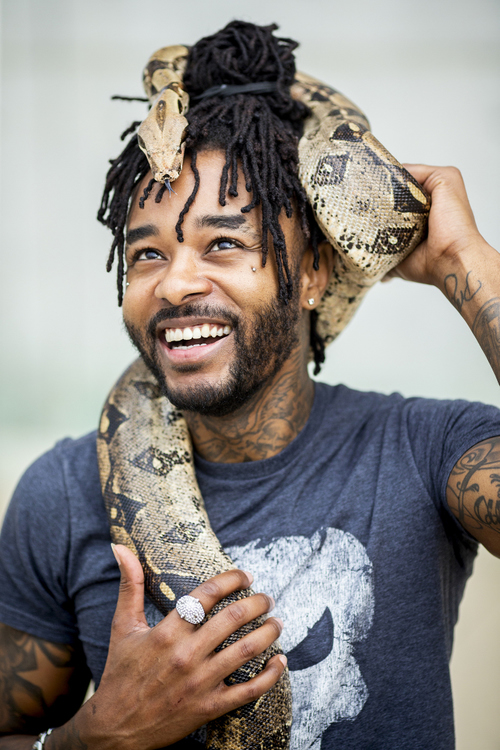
(129, 612)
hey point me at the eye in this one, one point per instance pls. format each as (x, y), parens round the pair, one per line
(224, 243)
(148, 254)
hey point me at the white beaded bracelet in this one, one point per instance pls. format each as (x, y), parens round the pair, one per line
(40, 743)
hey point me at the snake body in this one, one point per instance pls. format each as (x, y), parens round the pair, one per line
(374, 213)
(155, 508)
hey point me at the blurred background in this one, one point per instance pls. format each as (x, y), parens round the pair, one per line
(426, 74)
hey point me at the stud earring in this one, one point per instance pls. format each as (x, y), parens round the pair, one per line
(254, 269)
(311, 300)
(128, 283)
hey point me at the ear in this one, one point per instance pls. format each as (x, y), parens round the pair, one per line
(314, 282)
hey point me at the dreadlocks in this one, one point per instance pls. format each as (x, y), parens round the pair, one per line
(258, 133)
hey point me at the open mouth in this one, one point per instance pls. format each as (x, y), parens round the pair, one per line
(192, 336)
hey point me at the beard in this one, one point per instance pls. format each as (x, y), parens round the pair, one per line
(261, 347)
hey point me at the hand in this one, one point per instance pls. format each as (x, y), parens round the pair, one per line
(162, 683)
(452, 228)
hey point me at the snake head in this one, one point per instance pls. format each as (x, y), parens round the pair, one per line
(161, 135)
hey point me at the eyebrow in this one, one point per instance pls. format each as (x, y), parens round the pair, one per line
(231, 221)
(142, 233)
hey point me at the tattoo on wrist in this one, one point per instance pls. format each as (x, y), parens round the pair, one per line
(458, 297)
(486, 329)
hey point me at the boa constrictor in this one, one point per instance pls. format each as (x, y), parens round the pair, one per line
(373, 213)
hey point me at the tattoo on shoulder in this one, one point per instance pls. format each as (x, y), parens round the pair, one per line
(486, 329)
(473, 490)
(25, 662)
(458, 296)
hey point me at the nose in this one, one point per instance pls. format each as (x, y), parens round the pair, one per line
(183, 279)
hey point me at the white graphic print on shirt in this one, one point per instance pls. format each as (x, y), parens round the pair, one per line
(324, 594)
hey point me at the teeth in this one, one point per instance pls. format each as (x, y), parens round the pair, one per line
(197, 332)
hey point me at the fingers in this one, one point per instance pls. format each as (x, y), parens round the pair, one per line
(431, 177)
(129, 613)
(219, 587)
(245, 692)
(234, 616)
(253, 644)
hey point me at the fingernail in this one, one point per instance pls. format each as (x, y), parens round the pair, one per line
(249, 576)
(283, 659)
(272, 603)
(280, 623)
(115, 553)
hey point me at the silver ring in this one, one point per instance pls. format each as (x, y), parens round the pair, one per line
(190, 609)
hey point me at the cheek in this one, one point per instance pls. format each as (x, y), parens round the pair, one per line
(137, 306)
(252, 289)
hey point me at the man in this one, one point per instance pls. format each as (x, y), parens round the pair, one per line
(359, 513)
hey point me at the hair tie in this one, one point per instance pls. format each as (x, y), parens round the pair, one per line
(264, 87)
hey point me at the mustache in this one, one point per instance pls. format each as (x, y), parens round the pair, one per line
(195, 309)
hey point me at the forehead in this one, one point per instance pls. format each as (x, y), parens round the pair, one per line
(205, 210)
(210, 165)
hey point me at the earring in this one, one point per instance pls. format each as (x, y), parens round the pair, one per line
(311, 300)
(128, 283)
(254, 269)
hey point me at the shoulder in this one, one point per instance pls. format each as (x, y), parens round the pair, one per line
(447, 427)
(46, 486)
(345, 399)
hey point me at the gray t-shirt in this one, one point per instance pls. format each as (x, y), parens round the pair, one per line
(347, 528)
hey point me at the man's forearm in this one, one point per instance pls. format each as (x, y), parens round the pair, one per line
(471, 281)
(17, 742)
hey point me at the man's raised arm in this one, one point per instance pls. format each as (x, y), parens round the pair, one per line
(459, 261)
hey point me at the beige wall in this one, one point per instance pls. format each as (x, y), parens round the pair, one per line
(426, 74)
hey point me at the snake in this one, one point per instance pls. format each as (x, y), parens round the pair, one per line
(374, 213)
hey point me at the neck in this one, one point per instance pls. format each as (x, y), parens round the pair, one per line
(264, 426)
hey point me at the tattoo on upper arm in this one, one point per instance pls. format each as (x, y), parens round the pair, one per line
(473, 490)
(32, 691)
(486, 329)
(458, 296)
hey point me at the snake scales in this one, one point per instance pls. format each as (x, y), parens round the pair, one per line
(374, 214)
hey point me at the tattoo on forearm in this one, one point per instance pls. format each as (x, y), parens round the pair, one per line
(24, 662)
(474, 488)
(457, 296)
(486, 329)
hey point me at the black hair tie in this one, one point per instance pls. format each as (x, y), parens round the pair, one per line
(264, 87)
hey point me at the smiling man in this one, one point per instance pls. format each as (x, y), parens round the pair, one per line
(358, 515)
